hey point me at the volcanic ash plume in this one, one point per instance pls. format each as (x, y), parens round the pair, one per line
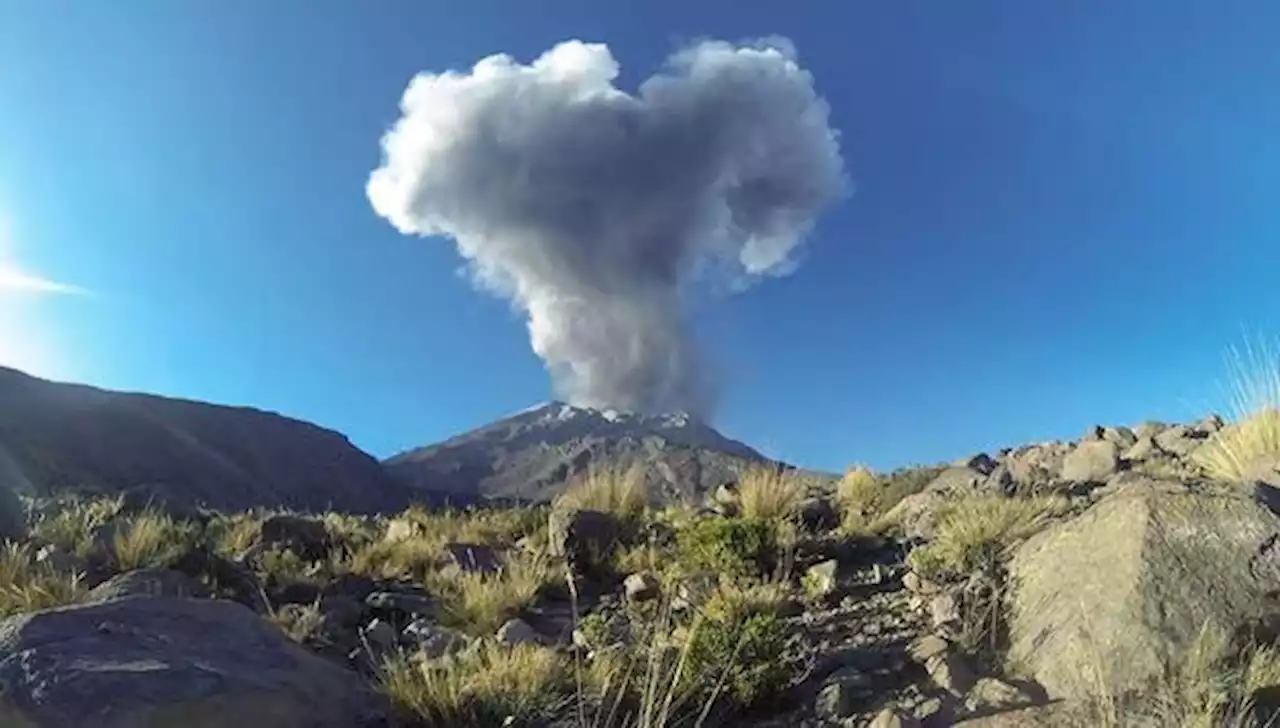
(594, 210)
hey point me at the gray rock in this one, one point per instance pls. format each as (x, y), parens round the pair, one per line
(147, 582)
(160, 661)
(434, 640)
(982, 463)
(380, 635)
(305, 537)
(1179, 440)
(822, 578)
(583, 537)
(1133, 580)
(725, 493)
(894, 718)
(817, 515)
(1091, 462)
(13, 513)
(1144, 449)
(1123, 437)
(928, 647)
(412, 604)
(991, 694)
(518, 632)
(917, 584)
(1211, 424)
(950, 672)
(1149, 429)
(957, 481)
(944, 610)
(473, 558)
(641, 587)
(61, 561)
(843, 692)
(916, 514)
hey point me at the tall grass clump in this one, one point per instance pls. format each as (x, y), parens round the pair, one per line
(972, 533)
(26, 586)
(479, 603)
(71, 529)
(487, 685)
(622, 492)
(152, 539)
(770, 493)
(1254, 432)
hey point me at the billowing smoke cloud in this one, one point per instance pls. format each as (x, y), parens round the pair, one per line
(594, 209)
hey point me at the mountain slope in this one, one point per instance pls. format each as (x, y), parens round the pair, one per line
(55, 436)
(532, 454)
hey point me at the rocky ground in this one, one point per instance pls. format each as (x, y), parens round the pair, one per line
(1126, 578)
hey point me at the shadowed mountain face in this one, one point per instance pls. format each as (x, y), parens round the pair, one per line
(533, 454)
(66, 436)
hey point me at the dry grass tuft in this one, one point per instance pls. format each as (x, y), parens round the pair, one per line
(973, 533)
(479, 603)
(770, 493)
(1255, 430)
(71, 529)
(233, 535)
(487, 685)
(622, 492)
(152, 539)
(26, 586)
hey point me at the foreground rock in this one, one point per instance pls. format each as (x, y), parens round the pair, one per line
(165, 661)
(1116, 595)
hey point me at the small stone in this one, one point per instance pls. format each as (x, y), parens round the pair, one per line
(944, 610)
(380, 635)
(993, 694)
(432, 640)
(1211, 424)
(414, 604)
(982, 463)
(305, 537)
(725, 493)
(817, 515)
(821, 578)
(917, 584)
(928, 710)
(641, 587)
(400, 529)
(843, 692)
(518, 632)
(928, 647)
(894, 718)
(60, 560)
(473, 558)
(950, 672)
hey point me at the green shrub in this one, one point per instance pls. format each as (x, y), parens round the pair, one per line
(739, 641)
(731, 546)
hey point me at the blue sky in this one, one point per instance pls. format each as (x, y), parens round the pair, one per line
(1061, 215)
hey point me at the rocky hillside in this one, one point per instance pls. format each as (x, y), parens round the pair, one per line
(533, 454)
(1127, 578)
(65, 436)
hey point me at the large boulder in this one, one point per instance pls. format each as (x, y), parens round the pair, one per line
(1113, 597)
(168, 661)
